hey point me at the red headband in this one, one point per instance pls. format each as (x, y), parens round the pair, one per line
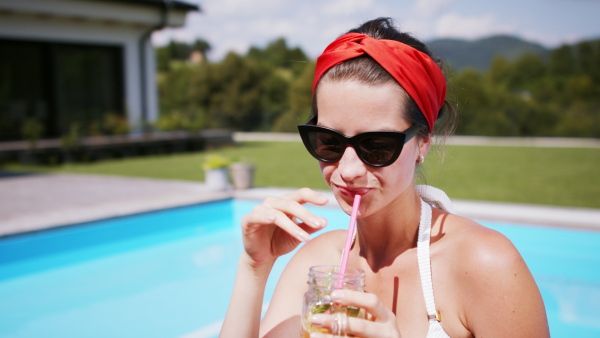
(415, 71)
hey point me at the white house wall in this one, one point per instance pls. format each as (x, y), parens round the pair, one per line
(91, 22)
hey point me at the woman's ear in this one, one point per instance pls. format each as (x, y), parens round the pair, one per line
(424, 144)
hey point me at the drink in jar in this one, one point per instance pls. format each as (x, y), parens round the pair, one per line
(322, 280)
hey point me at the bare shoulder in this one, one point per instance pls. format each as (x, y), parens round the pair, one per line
(493, 284)
(322, 250)
(472, 246)
(330, 242)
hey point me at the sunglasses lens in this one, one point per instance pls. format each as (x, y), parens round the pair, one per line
(327, 146)
(377, 150)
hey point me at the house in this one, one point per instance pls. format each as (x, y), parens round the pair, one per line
(75, 61)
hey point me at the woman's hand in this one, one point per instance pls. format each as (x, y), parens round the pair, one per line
(382, 323)
(277, 226)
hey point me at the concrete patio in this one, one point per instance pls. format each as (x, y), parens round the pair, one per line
(40, 201)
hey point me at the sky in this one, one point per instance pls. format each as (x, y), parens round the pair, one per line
(236, 25)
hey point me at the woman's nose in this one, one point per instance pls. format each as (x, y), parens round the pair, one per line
(350, 166)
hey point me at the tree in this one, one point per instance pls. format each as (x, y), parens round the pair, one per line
(562, 61)
(235, 100)
(278, 55)
(270, 89)
(499, 71)
(300, 98)
(576, 121)
(526, 72)
(595, 69)
(202, 46)
(179, 51)
(468, 92)
(163, 59)
(275, 99)
(184, 92)
(588, 61)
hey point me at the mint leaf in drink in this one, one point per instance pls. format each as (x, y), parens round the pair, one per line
(353, 311)
(320, 308)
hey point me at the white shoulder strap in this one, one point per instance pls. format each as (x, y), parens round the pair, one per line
(423, 257)
(435, 197)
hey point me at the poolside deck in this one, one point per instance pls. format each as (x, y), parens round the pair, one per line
(40, 201)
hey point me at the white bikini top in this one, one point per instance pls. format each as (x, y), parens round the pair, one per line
(437, 198)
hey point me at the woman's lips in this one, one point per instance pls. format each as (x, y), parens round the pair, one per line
(353, 191)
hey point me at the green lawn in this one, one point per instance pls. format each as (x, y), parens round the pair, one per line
(551, 176)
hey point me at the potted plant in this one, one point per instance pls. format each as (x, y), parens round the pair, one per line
(215, 172)
(242, 174)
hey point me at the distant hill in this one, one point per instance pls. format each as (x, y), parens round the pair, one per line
(478, 54)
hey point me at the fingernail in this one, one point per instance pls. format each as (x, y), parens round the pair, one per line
(317, 320)
(303, 236)
(336, 295)
(315, 222)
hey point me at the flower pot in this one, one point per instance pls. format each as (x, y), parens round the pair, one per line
(242, 175)
(216, 179)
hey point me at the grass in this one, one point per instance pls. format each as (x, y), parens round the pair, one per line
(282, 164)
(549, 176)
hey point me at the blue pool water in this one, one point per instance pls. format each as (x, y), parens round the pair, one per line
(170, 273)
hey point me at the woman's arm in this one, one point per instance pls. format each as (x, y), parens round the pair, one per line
(245, 306)
(269, 231)
(283, 318)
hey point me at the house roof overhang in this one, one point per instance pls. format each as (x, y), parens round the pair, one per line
(175, 4)
(136, 13)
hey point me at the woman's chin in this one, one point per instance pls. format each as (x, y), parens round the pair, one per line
(344, 201)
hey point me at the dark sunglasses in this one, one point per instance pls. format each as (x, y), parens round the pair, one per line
(375, 148)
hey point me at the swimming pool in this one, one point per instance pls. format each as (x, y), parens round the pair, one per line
(170, 273)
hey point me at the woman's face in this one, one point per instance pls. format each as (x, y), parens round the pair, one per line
(353, 108)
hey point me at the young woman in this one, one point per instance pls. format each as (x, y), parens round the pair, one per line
(376, 96)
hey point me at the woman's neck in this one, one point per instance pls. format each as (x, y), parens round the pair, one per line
(382, 237)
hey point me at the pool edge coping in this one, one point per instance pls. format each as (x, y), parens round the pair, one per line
(564, 217)
(537, 215)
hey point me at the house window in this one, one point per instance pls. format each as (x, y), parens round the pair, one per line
(59, 84)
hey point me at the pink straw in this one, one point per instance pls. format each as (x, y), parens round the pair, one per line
(349, 238)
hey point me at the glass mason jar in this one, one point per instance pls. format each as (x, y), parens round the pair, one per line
(322, 280)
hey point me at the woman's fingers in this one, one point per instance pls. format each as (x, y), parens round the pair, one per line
(262, 216)
(307, 195)
(295, 210)
(368, 301)
(383, 324)
(353, 326)
(286, 213)
(365, 328)
(278, 225)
